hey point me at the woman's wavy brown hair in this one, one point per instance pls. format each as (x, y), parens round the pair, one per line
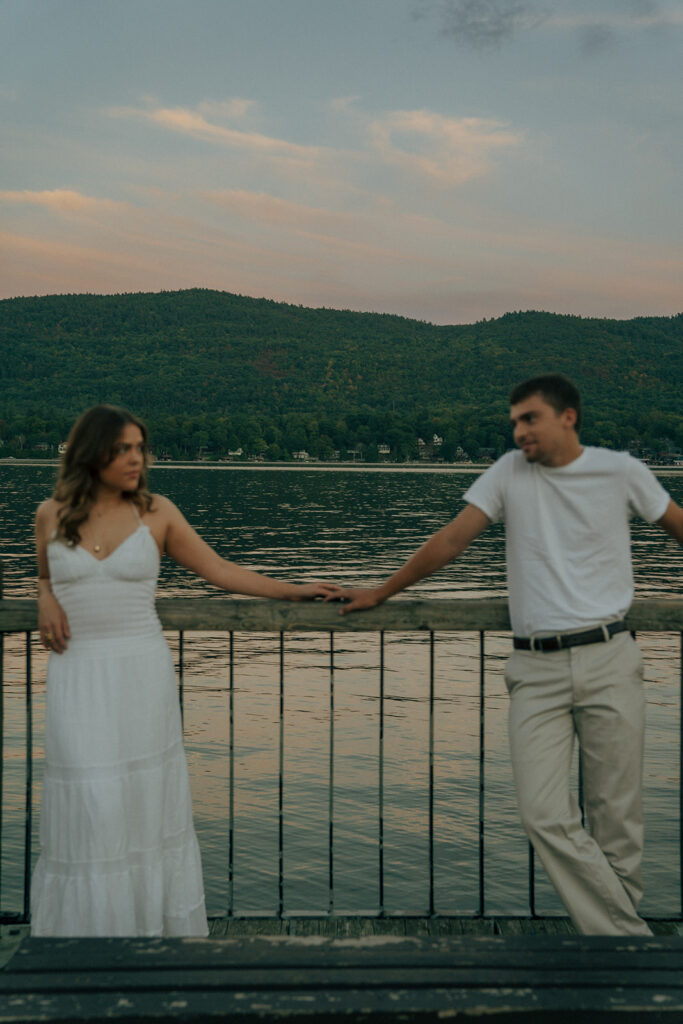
(91, 447)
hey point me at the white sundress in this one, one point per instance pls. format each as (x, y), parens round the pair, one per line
(119, 854)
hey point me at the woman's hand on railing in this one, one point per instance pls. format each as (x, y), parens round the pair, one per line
(355, 598)
(52, 623)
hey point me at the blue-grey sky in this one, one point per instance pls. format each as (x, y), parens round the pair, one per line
(443, 159)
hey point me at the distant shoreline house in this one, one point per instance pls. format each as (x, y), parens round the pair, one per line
(429, 451)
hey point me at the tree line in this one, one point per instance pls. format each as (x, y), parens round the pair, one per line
(213, 372)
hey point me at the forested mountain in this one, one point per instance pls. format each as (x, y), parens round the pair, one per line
(211, 371)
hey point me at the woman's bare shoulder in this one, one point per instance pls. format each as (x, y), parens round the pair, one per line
(162, 506)
(47, 511)
(47, 516)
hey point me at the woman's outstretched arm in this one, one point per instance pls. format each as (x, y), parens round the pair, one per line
(185, 546)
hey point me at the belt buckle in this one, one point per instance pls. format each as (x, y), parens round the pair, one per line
(543, 643)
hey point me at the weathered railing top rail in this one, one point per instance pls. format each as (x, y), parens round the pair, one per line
(219, 614)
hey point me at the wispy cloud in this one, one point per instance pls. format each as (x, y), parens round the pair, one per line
(446, 149)
(194, 123)
(61, 200)
(421, 142)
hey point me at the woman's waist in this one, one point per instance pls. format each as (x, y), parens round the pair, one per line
(115, 642)
(106, 598)
(95, 623)
(98, 613)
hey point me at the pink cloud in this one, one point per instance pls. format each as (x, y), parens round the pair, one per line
(62, 200)
(446, 149)
(193, 123)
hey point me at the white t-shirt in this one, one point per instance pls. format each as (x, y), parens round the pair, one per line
(568, 543)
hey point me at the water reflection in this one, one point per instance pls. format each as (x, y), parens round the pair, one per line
(356, 527)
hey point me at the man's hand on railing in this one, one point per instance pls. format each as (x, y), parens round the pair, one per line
(355, 598)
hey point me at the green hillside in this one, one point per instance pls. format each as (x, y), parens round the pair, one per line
(213, 371)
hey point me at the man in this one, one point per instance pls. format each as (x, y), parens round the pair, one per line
(574, 670)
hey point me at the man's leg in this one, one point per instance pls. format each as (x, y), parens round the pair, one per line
(542, 696)
(610, 722)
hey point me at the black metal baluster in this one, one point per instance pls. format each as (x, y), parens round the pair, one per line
(532, 882)
(280, 837)
(28, 821)
(181, 674)
(2, 738)
(231, 790)
(381, 773)
(482, 724)
(431, 773)
(330, 904)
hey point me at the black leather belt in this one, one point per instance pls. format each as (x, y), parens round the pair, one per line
(557, 643)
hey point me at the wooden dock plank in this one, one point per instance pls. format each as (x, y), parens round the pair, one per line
(310, 976)
(511, 1006)
(378, 978)
(540, 952)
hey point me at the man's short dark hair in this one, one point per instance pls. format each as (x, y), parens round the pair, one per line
(554, 389)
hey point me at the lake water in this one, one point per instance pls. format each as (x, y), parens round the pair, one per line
(351, 526)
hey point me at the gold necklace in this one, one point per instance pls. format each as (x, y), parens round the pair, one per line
(97, 547)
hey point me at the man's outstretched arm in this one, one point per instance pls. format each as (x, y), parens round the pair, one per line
(441, 548)
(672, 521)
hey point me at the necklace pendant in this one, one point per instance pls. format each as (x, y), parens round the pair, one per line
(98, 548)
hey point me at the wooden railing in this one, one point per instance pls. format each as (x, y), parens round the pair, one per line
(228, 616)
(223, 614)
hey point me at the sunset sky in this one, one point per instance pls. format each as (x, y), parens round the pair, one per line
(447, 160)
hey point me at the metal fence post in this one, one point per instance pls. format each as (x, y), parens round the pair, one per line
(482, 739)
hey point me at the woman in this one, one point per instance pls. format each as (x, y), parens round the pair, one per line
(119, 851)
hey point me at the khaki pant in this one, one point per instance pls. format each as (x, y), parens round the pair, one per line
(594, 692)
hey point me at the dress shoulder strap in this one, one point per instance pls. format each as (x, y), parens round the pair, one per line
(136, 513)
